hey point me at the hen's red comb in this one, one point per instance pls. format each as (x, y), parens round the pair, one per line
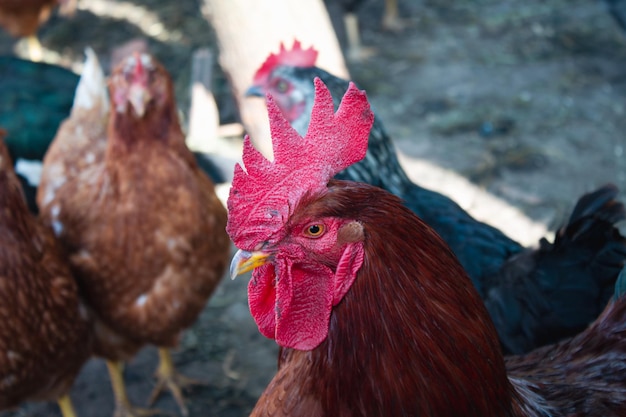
(296, 57)
(261, 199)
(140, 74)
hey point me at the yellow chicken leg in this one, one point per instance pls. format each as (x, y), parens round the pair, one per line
(122, 405)
(65, 404)
(168, 377)
(356, 51)
(35, 50)
(391, 21)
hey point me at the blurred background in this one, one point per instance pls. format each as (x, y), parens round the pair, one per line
(513, 109)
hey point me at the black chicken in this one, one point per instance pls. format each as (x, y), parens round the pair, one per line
(535, 296)
(34, 99)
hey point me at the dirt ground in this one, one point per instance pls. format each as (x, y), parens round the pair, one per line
(527, 100)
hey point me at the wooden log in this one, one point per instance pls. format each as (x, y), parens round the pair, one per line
(249, 30)
(203, 112)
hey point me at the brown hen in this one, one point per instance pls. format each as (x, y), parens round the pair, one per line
(142, 223)
(45, 333)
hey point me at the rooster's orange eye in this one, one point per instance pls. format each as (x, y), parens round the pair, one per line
(314, 230)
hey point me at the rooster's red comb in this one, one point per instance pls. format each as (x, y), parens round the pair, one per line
(261, 198)
(295, 57)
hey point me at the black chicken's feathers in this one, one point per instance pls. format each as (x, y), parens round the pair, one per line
(34, 99)
(620, 284)
(555, 291)
(599, 205)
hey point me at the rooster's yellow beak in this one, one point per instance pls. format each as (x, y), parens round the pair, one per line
(245, 261)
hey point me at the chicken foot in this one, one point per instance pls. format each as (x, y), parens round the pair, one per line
(168, 377)
(356, 51)
(391, 20)
(123, 408)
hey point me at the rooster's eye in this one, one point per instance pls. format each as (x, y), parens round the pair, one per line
(314, 230)
(282, 86)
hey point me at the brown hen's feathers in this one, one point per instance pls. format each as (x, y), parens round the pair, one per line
(45, 333)
(585, 375)
(143, 226)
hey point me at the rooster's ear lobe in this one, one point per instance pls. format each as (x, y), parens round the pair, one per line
(351, 232)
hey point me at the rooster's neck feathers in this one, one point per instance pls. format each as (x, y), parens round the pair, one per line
(411, 329)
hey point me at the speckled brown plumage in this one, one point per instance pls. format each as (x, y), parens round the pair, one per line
(142, 223)
(583, 376)
(45, 333)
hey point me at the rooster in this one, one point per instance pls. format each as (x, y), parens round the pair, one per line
(45, 330)
(535, 296)
(374, 314)
(143, 227)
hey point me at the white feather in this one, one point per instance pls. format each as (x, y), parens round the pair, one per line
(31, 170)
(92, 87)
